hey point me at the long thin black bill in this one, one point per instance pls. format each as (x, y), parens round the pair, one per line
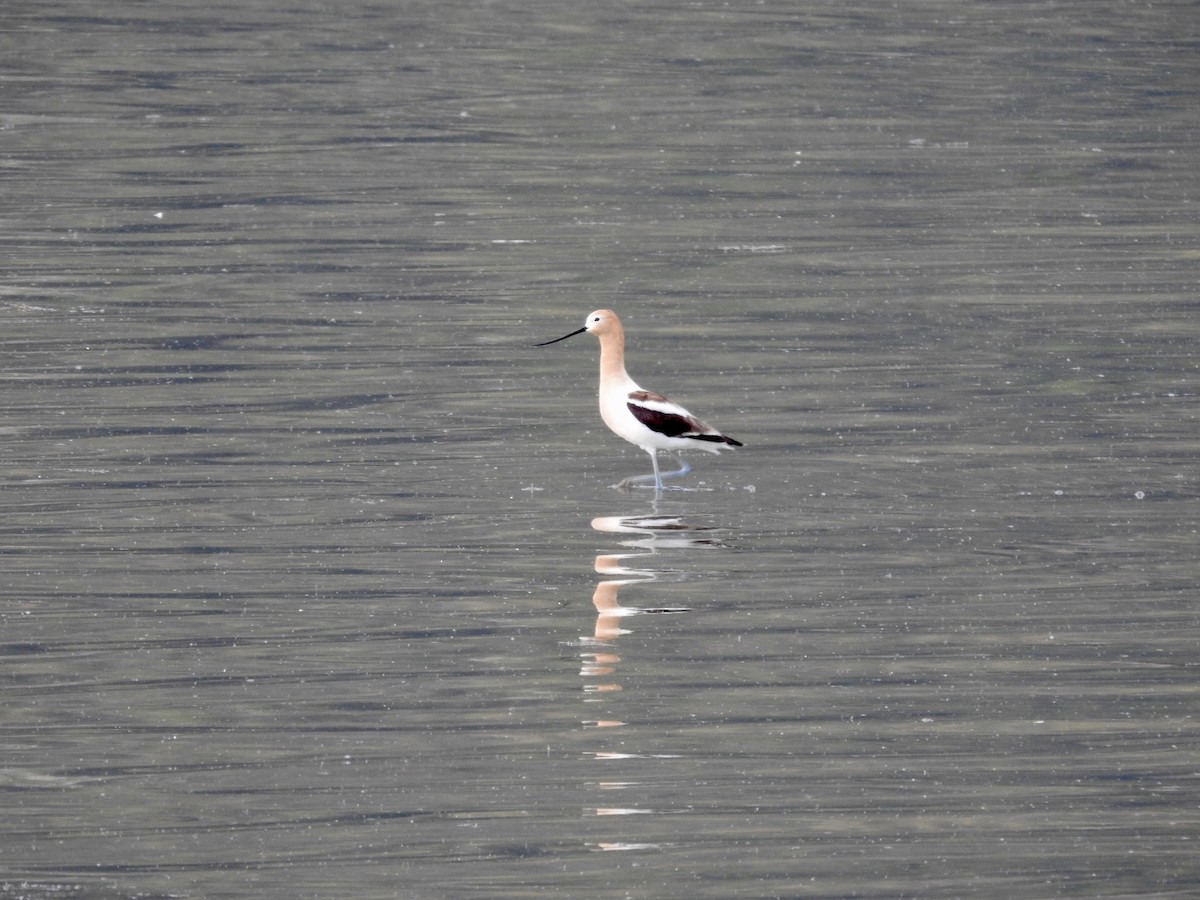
(563, 338)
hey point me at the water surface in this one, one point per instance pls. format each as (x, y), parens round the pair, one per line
(314, 580)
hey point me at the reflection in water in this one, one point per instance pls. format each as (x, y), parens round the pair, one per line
(653, 534)
(621, 845)
(657, 533)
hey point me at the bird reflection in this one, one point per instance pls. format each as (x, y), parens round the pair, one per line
(648, 542)
(652, 534)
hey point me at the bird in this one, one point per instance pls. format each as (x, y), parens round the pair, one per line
(644, 418)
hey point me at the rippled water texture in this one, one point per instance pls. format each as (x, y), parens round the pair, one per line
(314, 583)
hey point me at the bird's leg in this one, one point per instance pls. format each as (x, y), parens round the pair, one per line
(629, 482)
(658, 476)
(684, 468)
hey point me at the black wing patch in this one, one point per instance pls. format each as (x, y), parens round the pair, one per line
(716, 439)
(672, 424)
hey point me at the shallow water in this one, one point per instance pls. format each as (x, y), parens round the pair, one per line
(314, 581)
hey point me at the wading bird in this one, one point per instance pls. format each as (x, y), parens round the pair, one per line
(642, 417)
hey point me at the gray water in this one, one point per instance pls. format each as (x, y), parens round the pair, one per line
(314, 583)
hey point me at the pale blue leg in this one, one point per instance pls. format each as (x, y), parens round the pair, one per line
(658, 476)
(684, 468)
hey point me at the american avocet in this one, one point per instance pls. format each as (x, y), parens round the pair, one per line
(643, 418)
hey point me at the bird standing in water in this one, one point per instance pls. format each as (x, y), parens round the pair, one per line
(644, 418)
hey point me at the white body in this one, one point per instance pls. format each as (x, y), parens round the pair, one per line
(618, 391)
